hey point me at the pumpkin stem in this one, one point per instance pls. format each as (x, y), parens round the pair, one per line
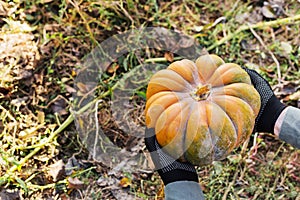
(201, 92)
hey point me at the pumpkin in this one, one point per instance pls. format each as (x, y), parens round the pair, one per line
(201, 110)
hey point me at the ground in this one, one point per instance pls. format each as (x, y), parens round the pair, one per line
(45, 137)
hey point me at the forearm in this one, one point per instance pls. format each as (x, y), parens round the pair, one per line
(287, 126)
(188, 190)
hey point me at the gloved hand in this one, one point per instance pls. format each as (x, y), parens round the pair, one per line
(169, 169)
(270, 108)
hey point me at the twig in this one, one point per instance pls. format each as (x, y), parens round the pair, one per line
(229, 187)
(270, 52)
(258, 25)
(161, 59)
(97, 128)
(272, 189)
(48, 186)
(254, 146)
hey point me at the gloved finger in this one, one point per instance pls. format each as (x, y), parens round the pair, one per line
(257, 80)
(150, 139)
(149, 132)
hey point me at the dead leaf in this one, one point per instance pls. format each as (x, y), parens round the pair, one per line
(268, 12)
(72, 165)
(160, 193)
(73, 73)
(123, 194)
(198, 28)
(3, 8)
(30, 132)
(169, 56)
(9, 195)
(295, 96)
(113, 68)
(75, 183)
(57, 170)
(106, 181)
(41, 117)
(70, 89)
(17, 26)
(5, 91)
(146, 7)
(19, 101)
(85, 87)
(58, 105)
(64, 197)
(286, 47)
(125, 182)
(39, 78)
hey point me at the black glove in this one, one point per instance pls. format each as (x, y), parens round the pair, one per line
(270, 108)
(168, 168)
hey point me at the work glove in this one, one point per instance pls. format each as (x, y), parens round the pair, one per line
(169, 169)
(270, 108)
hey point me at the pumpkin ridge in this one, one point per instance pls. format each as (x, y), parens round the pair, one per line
(191, 108)
(174, 75)
(195, 151)
(158, 101)
(229, 73)
(178, 65)
(155, 86)
(158, 132)
(234, 121)
(170, 104)
(174, 138)
(219, 147)
(243, 91)
(225, 112)
(211, 63)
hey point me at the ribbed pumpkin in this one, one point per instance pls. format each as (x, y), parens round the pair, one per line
(201, 110)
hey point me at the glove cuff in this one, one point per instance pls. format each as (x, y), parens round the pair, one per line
(178, 175)
(273, 108)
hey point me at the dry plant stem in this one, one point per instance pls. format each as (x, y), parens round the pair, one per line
(272, 189)
(161, 59)
(271, 53)
(97, 127)
(76, 6)
(258, 25)
(229, 187)
(48, 186)
(257, 193)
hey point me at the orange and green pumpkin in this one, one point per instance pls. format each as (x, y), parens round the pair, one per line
(201, 110)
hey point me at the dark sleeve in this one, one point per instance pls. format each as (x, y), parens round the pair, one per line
(290, 128)
(183, 190)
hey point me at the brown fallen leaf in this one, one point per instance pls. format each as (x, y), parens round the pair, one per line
(75, 183)
(295, 96)
(70, 89)
(160, 193)
(125, 182)
(41, 117)
(113, 68)
(169, 56)
(58, 105)
(57, 170)
(268, 12)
